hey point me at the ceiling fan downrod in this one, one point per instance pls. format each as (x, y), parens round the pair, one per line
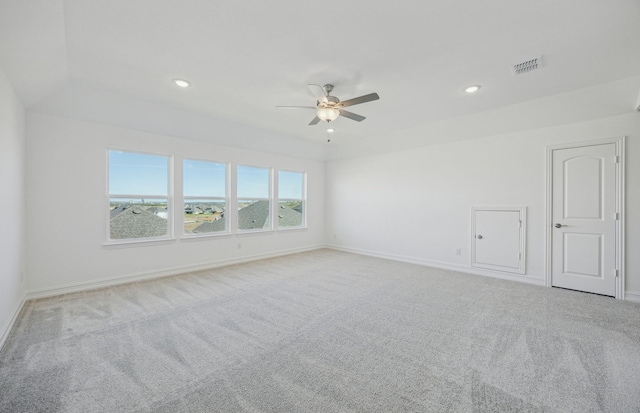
(328, 88)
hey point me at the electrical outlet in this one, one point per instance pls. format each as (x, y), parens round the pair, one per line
(334, 236)
(239, 245)
(459, 251)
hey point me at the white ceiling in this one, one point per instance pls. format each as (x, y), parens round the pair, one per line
(245, 57)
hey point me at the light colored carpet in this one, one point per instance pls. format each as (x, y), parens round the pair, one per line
(323, 331)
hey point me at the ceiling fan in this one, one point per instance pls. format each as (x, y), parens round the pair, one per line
(328, 107)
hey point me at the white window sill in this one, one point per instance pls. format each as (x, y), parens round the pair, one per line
(254, 232)
(288, 229)
(137, 243)
(202, 237)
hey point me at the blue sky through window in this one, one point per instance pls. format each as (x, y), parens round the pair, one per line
(133, 173)
(253, 182)
(203, 178)
(290, 184)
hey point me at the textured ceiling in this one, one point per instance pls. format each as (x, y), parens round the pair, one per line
(243, 58)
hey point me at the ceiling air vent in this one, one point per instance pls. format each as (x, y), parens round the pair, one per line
(527, 66)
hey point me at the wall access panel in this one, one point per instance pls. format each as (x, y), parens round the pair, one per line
(498, 238)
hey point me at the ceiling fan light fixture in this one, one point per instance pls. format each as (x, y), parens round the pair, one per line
(328, 114)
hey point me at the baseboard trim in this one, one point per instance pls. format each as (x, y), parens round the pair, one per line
(4, 334)
(149, 275)
(443, 265)
(633, 296)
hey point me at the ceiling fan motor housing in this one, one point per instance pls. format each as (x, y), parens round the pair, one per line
(331, 101)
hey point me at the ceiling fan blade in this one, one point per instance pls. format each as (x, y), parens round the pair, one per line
(314, 121)
(359, 100)
(296, 107)
(318, 92)
(351, 115)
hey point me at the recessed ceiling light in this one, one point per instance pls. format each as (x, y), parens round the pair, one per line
(181, 82)
(472, 89)
(331, 130)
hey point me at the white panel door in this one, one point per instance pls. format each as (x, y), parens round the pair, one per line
(584, 219)
(498, 238)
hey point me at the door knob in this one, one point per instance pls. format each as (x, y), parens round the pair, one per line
(479, 236)
(558, 225)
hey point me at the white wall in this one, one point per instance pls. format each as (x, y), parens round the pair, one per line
(412, 204)
(415, 204)
(66, 204)
(12, 190)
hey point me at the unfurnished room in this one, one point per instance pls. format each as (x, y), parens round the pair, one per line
(294, 206)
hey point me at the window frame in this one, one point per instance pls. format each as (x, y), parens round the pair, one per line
(169, 237)
(226, 199)
(238, 200)
(303, 225)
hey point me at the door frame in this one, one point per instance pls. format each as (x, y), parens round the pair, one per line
(620, 223)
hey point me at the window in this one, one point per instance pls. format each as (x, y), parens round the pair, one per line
(254, 200)
(141, 207)
(205, 197)
(291, 206)
(138, 196)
